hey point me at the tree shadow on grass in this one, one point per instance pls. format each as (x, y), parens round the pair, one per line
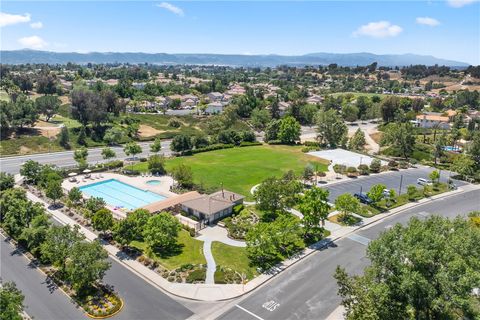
(171, 251)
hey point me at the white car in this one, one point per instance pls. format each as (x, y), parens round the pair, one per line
(424, 182)
(386, 193)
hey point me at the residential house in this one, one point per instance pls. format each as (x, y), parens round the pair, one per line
(314, 99)
(215, 108)
(215, 96)
(433, 119)
(138, 85)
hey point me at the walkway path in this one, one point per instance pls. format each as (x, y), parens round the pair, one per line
(211, 265)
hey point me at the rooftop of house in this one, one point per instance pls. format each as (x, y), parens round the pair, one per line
(433, 117)
(213, 203)
(171, 202)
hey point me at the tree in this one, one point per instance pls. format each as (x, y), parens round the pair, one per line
(64, 138)
(389, 105)
(183, 175)
(271, 131)
(75, 195)
(31, 171)
(411, 192)
(464, 165)
(34, 235)
(94, 204)
(276, 195)
(350, 113)
(156, 164)
(80, 156)
(357, 141)
(347, 204)
(308, 173)
(6, 181)
(87, 263)
(47, 84)
(376, 192)
(102, 220)
(54, 190)
(23, 112)
(48, 106)
(17, 212)
(314, 207)
(400, 136)
(375, 165)
(132, 148)
(331, 129)
(260, 118)
(82, 136)
(58, 244)
(269, 243)
(156, 146)
(181, 143)
(11, 302)
(113, 135)
(434, 176)
(289, 130)
(108, 153)
(425, 270)
(161, 231)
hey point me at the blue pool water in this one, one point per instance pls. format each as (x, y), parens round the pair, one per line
(119, 194)
(153, 182)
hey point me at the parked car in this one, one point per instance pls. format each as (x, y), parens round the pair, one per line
(363, 198)
(424, 182)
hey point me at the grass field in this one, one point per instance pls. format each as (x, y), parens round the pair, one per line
(4, 96)
(234, 258)
(239, 169)
(189, 250)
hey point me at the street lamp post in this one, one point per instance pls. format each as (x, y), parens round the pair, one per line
(401, 181)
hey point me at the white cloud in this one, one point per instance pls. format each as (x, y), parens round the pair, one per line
(380, 29)
(428, 21)
(33, 42)
(170, 7)
(36, 25)
(460, 3)
(7, 19)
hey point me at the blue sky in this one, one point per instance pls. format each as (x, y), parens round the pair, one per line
(447, 29)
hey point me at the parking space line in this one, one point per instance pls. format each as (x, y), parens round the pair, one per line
(249, 312)
(358, 238)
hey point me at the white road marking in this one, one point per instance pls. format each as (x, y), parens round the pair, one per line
(359, 239)
(271, 305)
(422, 213)
(250, 313)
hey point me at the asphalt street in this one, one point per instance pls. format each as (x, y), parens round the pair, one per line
(307, 290)
(44, 301)
(65, 158)
(390, 179)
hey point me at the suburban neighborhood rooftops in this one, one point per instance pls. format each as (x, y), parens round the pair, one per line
(433, 117)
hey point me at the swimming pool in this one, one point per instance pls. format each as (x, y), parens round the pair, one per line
(154, 182)
(119, 194)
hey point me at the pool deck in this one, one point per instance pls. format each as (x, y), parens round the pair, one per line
(139, 182)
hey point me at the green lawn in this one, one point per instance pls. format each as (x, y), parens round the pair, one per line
(239, 169)
(4, 96)
(234, 258)
(189, 250)
(68, 122)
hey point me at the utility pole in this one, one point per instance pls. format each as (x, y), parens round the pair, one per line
(401, 181)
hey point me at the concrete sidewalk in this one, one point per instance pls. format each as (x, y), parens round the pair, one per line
(217, 292)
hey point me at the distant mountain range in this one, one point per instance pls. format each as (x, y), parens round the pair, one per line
(314, 59)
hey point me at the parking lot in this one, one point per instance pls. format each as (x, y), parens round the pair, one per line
(391, 180)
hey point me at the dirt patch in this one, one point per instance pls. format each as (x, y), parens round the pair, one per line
(24, 150)
(147, 131)
(49, 132)
(43, 124)
(377, 136)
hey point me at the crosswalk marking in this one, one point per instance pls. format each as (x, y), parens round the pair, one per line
(360, 239)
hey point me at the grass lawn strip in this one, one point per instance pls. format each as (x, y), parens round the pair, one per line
(234, 258)
(189, 251)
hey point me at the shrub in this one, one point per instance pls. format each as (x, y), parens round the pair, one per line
(174, 123)
(403, 165)
(411, 192)
(392, 164)
(238, 208)
(308, 149)
(339, 168)
(196, 276)
(275, 142)
(375, 166)
(348, 219)
(363, 169)
(212, 147)
(113, 164)
(311, 144)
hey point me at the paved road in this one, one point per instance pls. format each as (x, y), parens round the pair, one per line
(308, 291)
(41, 302)
(390, 179)
(142, 301)
(65, 158)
